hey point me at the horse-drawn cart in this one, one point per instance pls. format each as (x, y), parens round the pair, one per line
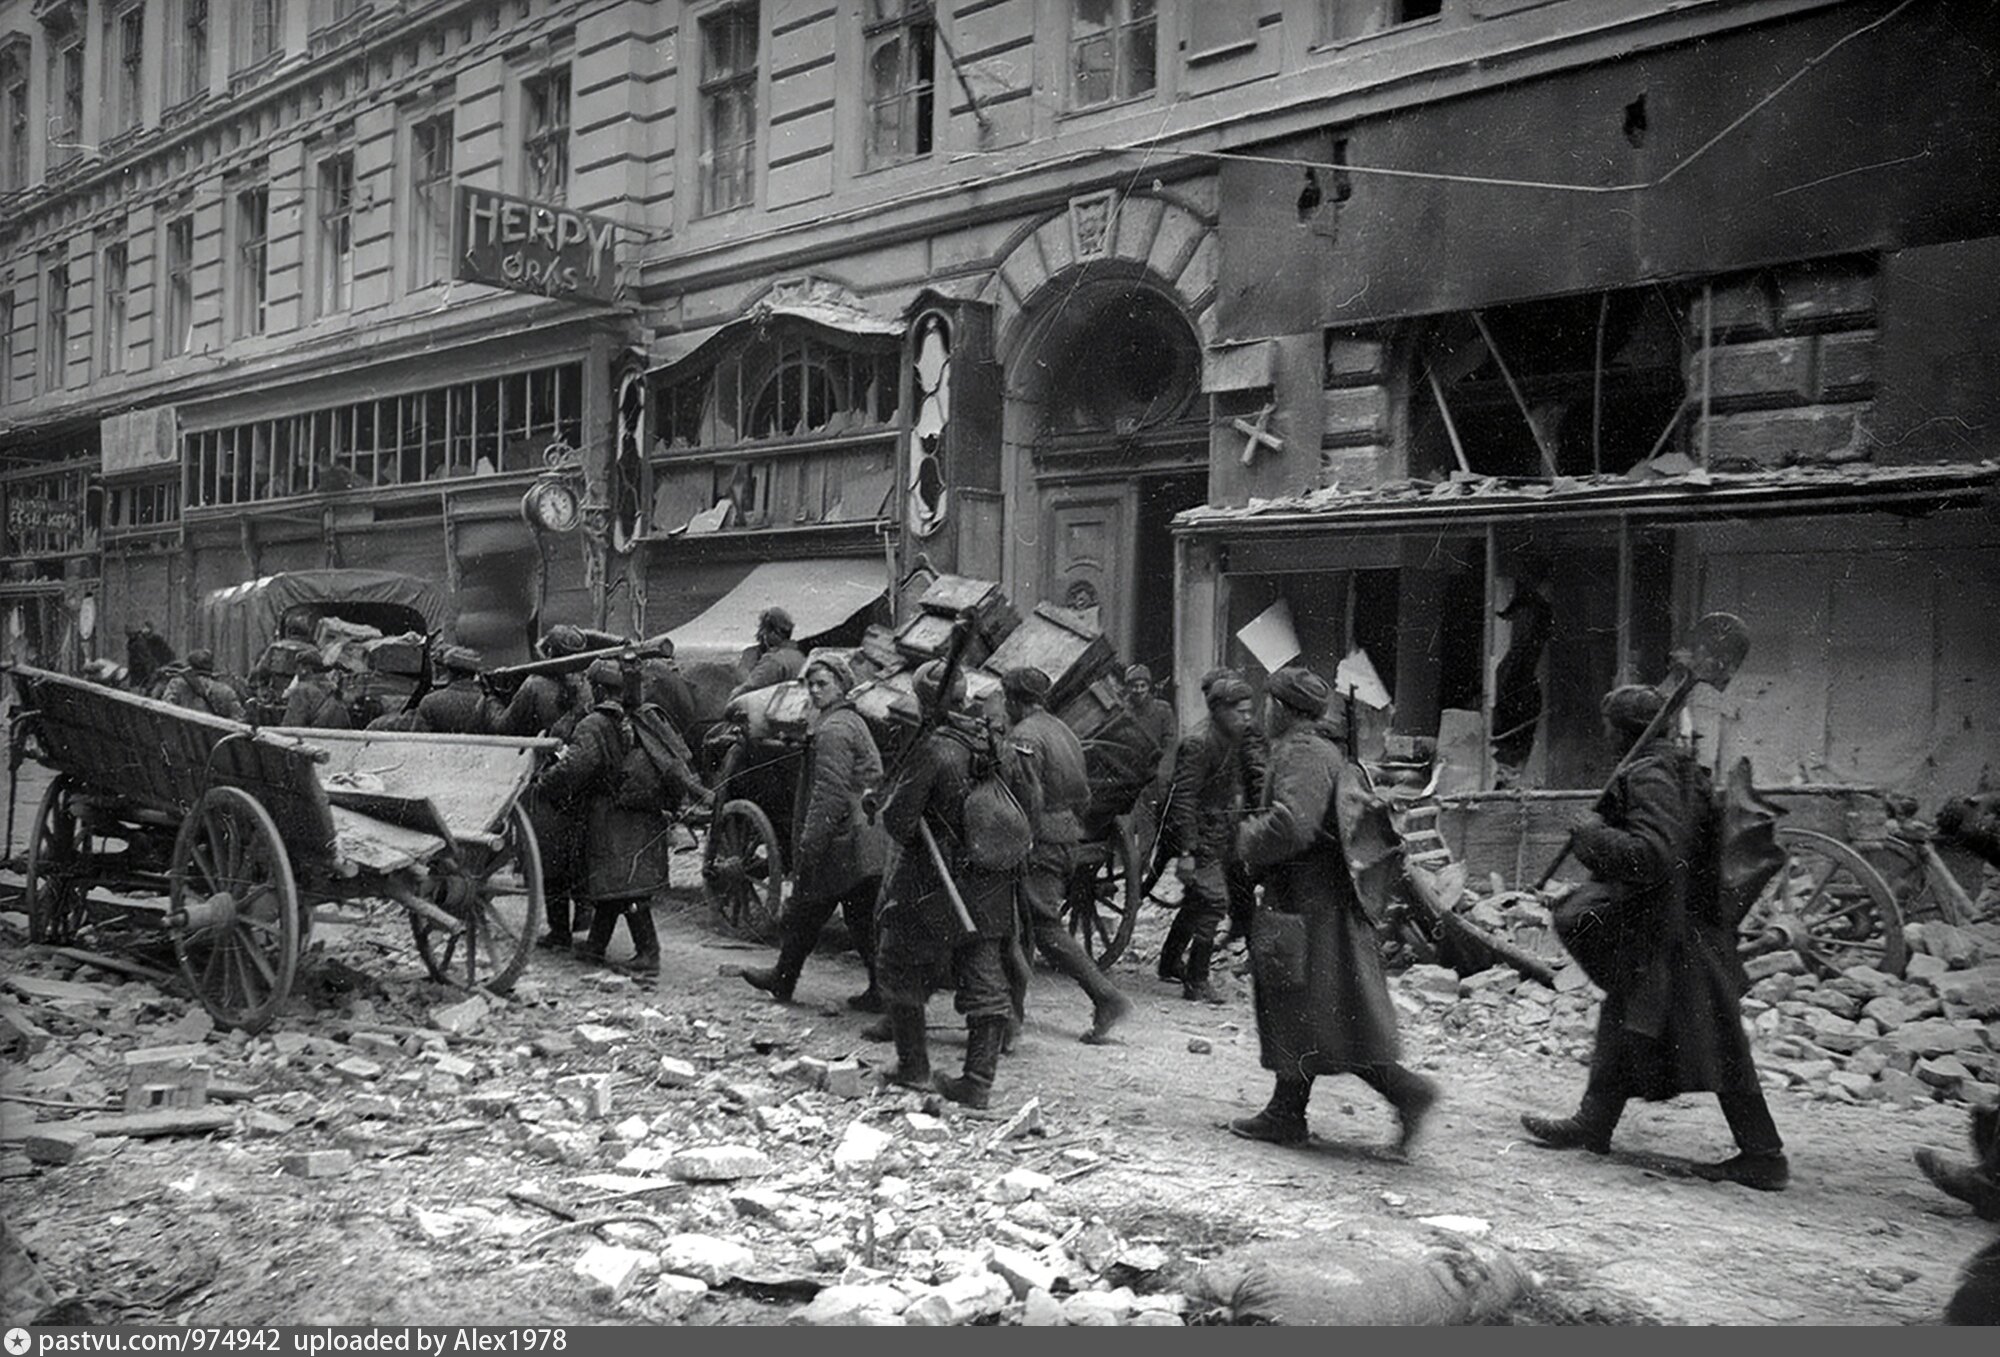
(233, 834)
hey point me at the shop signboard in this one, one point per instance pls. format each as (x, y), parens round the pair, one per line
(525, 246)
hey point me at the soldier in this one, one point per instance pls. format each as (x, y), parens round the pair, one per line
(667, 688)
(311, 700)
(548, 704)
(627, 834)
(462, 706)
(777, 658)
(1211, 777)
(838, 854)
(1322, 999)
(1670, 1023)
(552, 704)
(195, 686)
(921, 942)
(1058, 825)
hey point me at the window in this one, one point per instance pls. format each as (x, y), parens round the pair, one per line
(480, 428)
(146, 504)
(66, 100)
(902, 52)
(125, 57)
(251, 283)
(55, 318)
(6, 347)
(262, 23)
(177, 309)
(788, 386)
(14, 116)
(430, 200)
(333, 290)
(1220, 28)
(728, 107)
(1114, 46)
(1345, 20)
(111, 299)
(547, 143)
(188, 77)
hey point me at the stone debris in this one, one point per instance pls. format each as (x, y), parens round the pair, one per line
(674, 1295)
(611, 1270)
(719, 1163)
(676, 1073)
(860, 1148)
(318, 1164)
(714, 1261)
(463, 1017)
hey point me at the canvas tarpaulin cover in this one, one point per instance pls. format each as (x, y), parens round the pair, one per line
(238, 621)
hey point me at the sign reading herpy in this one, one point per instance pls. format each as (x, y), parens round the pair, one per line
(525, 246)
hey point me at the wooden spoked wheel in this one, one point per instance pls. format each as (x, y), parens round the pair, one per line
(234, 909)
(1106, 889)
(1830, 906)
(743, 870)
(496, 895)
(59, 869)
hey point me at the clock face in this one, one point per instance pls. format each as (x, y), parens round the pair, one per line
(552, 506)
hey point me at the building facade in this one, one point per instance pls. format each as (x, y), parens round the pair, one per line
(1496, 339)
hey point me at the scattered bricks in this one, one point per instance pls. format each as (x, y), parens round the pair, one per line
(1818, 297)
(462, 1017)
(1970, 994)
(718, 1164)
(1925, 967)
(828, 1251)
(1774, 989)
(922, 1126)
(318, 1164)
(1434, 982)
(1041, 1311)
(289, 1044)
(454, 1066)
(258, 1122)
(57, 1145)
(597, 1038)
(1786, 963)
(374, 1106)
(674, 1295)
(863, 1304)
(1026, 1121)
(611, 1270)
(1200, 1046)
(357, 1070)
(1024, 1272)
(1851, 1082)
(163, 1077)
(1935, 1037)
(588, 1094)
(1847, 365)
(495, 1102)
(846, 1079)
(1946, 1072)
(1765, 372)
(1836, 1002)
(860, 1147)
(376, 1043)
(751, 1095)
(962, 1300)
(1955, 946)
(714, 1261)
(655, 1023)
(676, 1073)
(1889, 1012)
(1813, 435)
(552, 1045)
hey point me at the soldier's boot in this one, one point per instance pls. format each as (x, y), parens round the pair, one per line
(913, 1056)
(974, 1088)
(1109, 1006)
(1195, 983)
(882, 1029)
(1410, 1093)
(1173, 952)
(1589, 1127)
(558, 936)
(778, 981)
(603, 925)
(859, 912)
(1283, 1120)
(645, 939)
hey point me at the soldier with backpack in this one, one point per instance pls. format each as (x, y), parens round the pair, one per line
(625, 771)
(1649, 929)
(195, 686)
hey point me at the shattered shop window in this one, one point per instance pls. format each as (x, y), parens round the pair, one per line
(790, 386)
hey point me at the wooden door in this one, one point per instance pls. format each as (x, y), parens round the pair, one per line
(1089, 561)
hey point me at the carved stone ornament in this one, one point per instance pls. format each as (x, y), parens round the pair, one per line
(1092, 219)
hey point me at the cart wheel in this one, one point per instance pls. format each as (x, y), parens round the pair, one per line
(234, 909)
(1831, 906)
(1105, 895)
(742, 871)
(58, 869)
(497, 894)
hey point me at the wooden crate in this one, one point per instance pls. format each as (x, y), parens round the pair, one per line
(993, 615)
(1071, 653)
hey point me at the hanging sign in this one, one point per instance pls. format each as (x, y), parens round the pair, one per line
(526, 246)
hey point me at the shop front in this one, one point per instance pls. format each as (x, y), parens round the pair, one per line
(50, 521)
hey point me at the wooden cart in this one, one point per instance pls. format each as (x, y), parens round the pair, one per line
(233, 834)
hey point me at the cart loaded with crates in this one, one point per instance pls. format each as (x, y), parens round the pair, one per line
(231, 836)
(757, 753)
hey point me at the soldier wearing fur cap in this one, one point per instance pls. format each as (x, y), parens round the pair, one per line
(1322, 999)
(460, 706)
(1212, 772)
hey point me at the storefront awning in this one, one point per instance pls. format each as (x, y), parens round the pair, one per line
(820, 594)
(687, 350)
(1690, 494)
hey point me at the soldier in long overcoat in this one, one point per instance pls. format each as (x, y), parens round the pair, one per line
(838, 855)
(1670, 1022)
(552, 705)
(921, 945)
(1322, 1000)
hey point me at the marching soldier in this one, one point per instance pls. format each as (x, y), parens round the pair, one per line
(552, 705)
(1211, 776)
(548, 704)
(461, 706)
(196, 687)
(311, 700)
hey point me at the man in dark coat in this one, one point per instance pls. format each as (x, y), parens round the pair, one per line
(552, 705)
(1670, 1022)
(1322, 999)
(1057, 757)
(461, 706)
(666, 687)
(1211, 777)
(548, 704)
(196, 687)
(922, 944)
(311, 700)
(837, 854)
(775, 658)
(628, 832)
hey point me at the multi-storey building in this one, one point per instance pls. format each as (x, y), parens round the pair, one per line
(1391, 310)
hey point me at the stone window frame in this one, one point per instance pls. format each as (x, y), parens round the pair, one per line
(913, 27)
(745, 86)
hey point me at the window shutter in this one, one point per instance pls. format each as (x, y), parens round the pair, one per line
(1214, 26)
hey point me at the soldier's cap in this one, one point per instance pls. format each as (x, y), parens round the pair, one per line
(201, 660)
(1215, 676)
(776, 621)
(836, 669)
(461, 659)
(1025, 683)
(562, 639)
(1227, 691)
(605, 673)
(1632, 707)
(1302, 690)
(311, 660)
(929, 679)
(1138, 673)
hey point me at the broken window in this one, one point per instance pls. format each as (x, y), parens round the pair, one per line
(728, 108)
(1114, 51)
(902, 57)
(547, 143)
(1123, 360)
(790, 385)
